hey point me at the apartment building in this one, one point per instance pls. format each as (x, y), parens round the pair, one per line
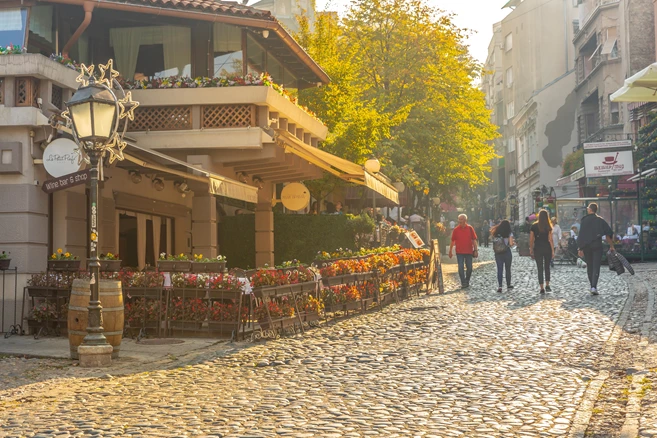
(286, 11)
(614, 40)
(537, 98)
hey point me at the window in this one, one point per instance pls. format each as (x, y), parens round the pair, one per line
(509, 77)
(12, 27)
(280, 74)
(511, 147)
(41, 22)
(510, 110)
(512, 179)
(614, 112)
(228, 56)
(158, 51)
(255, 56)
(508, 42)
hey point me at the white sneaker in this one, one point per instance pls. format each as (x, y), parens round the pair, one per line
(594, 291)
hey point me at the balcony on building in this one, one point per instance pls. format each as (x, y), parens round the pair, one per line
(600, 50)
(158, 51)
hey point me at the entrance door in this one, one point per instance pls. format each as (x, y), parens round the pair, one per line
(143, 237)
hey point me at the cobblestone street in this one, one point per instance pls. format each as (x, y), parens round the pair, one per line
(471, 363)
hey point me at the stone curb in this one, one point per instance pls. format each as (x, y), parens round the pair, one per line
(585, 410)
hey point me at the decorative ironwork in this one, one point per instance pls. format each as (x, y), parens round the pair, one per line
(227, 116)
(27, 91)
(162, 118)
(56, 96)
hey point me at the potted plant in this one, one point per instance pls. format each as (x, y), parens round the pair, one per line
(204, 264)
(108, 262)
(63, 261)
(174, 263)
(4, 261)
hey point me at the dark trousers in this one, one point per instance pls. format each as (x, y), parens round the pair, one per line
(485, 237)
(504, 263)
(543, 257)
(593, 259)
(464, 271)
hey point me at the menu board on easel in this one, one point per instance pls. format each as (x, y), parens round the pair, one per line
(435, 275)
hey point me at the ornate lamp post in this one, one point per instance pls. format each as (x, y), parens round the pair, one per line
(94, 113)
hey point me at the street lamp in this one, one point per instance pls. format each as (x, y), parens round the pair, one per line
(400, 187)
(94, 113)
(373, 165)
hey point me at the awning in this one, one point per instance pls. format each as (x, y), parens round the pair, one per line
(578, 174)
(644, 174)
(217, 184)
(337, 166)
(642, 87)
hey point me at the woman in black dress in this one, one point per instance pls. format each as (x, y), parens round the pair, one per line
(541, 248)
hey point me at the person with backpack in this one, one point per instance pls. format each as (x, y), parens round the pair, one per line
(541, 248)
(502, 243)
(589, 242)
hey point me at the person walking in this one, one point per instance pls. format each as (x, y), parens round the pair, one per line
(502, 243)
(541, 248)
(556, 237)
(485, 233)
(589, 242)
(465, 240)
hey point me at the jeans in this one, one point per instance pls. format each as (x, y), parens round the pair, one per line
(543, 257)
(593, 259)
(464, 274)
(504, 261)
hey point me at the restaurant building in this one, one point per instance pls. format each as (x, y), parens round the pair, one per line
(197, 149)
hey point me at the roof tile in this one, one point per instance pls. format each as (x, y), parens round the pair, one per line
(216, 6)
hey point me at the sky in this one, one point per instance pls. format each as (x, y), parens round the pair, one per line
(477, 15)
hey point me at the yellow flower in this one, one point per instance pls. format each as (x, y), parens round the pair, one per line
(416, 183)
(109, 254)
(59, 250)
(53, 256)
(68, 254)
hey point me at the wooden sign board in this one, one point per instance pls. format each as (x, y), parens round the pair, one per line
(435, 274)
(415, 239)
(66, 181)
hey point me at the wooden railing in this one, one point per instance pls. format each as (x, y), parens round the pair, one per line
(174, 118)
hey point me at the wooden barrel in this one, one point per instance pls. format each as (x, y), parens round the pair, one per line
(111, 298)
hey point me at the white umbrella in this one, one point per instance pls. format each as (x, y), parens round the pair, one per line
(642, 87)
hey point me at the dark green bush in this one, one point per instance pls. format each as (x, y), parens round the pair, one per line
(295, 236)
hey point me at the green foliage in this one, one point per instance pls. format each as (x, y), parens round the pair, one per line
(295, 236)
(573, 162)
(402, 89)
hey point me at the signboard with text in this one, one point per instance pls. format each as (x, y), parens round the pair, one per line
(61, 157)
(66, 181)
(623, 144)
(605, 164)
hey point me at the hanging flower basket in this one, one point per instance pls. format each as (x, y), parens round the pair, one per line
(63, 265)
(174, 265)
(208, 267)
(4, 264)
(108, 265)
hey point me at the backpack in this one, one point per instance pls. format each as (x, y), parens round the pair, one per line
(499, 247)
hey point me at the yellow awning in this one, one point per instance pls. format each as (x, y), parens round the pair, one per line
(217, 184)
(337, 166)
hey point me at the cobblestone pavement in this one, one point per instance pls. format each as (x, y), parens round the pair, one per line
(472, 363)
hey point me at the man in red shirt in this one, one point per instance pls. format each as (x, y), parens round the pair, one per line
(465, 240)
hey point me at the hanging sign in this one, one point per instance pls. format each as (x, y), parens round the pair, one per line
(604, 164)
(64, 182)
(61, 157)
(415, 239)
(295, 196)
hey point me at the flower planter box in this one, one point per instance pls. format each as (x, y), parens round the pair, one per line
(281, 323)
(209, 267)
(47, 292)
(179, 292)
(218, 294)
(309, 286)
(185, 325)
(352, 305)
(387, 298)
(366, 303)
(174, 265)
(364, 276)
(334, 308)
(338, 280)
(141, 292)
(63, 265)
(107, 265)
(272, 291)
(4, 264)
(310, 316)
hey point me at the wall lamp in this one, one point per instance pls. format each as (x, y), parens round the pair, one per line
(259, 183)
(158, 184)
(135, 176)
(241, 176)
(182, 187)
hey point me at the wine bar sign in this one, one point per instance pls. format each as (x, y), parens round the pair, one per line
(66, 181)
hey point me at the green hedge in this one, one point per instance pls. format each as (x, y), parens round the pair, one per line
(295, 237)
